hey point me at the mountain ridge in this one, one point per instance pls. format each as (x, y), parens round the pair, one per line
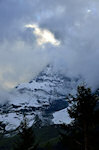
(42, 96)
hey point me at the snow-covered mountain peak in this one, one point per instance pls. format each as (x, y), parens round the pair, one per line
(43, 96)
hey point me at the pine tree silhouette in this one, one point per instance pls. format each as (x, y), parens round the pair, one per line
(82, 111)
(26, 137)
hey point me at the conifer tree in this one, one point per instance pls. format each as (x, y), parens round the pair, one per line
(2, 129)
(82, 111)
(37, 122)
(26, 137)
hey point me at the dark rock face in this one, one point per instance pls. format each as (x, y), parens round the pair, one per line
(56, 106)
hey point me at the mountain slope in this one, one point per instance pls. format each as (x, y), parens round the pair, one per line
(42, 96)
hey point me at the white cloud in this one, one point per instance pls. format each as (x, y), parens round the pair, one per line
(44, 36)
(19, 63)
(71, 28)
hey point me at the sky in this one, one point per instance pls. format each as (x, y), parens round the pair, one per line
(34, 33)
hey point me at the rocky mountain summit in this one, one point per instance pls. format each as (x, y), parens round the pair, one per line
(44, 97)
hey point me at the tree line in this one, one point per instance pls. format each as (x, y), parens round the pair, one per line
(81, 134)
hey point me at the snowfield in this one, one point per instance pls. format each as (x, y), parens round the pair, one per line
(40, 96)
(61, 117)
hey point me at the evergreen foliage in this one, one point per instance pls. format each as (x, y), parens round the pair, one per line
(2, 130)
(26, 137)
(37, 122)
(80, 133)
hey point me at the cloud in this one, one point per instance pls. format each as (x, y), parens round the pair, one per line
(43, 35)
(19, 62)
(65, 32)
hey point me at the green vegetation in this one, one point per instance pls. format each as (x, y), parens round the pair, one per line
(26, 135)
(81, 134)
(44, 135)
